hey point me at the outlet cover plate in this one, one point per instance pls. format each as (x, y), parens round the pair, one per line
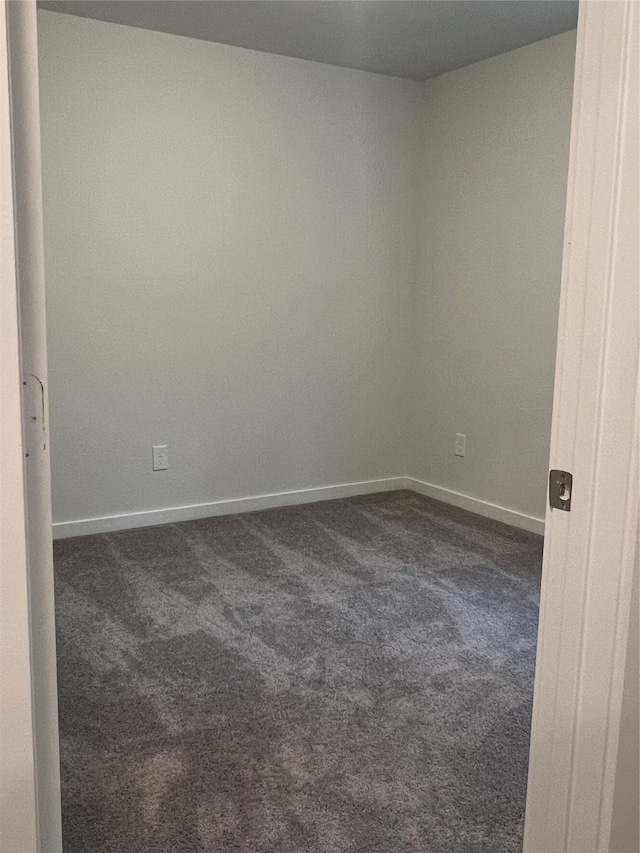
(160, 457)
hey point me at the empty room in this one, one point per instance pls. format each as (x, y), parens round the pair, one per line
(302, 265)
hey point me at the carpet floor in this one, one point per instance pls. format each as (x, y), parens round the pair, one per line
(352, 676)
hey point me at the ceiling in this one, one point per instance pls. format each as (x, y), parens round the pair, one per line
(417, 39)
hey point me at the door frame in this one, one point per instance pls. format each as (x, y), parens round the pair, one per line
(585, 602)
(22, 38)
(589, 552)
(18, 804)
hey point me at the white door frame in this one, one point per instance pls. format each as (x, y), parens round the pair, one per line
(18, 811)
(588, 552)
(22, 38)
(23, 267)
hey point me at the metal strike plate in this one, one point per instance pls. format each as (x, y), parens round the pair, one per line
(35, 433)
(560, 489)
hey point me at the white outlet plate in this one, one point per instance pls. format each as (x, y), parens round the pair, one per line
(461, 444)
(160, 457)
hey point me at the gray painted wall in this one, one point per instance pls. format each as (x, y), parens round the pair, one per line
(229, 243)
(495, 160)
(296, 275)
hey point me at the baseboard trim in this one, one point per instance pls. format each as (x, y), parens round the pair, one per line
(479, 507)
(149, 518)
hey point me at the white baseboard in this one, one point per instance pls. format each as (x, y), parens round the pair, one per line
(479, 507)
(149, 518)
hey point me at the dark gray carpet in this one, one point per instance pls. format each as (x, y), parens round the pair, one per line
(354, 675)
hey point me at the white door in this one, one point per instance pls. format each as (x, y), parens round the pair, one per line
(588, 552)
(27, 213)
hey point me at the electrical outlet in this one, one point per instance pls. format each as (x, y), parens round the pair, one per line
(160, 457)
(461, 444)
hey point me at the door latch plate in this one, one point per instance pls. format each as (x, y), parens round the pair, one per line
(35, 433)
(560, 489)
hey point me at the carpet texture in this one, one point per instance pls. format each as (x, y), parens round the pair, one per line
(352, 675)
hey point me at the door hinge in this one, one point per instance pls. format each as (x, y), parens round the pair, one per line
(560, 489)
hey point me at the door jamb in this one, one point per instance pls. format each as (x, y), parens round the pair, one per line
(18, 802)
(589, 552)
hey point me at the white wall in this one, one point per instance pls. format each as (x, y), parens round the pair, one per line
(496, 148)
(229, 242)
(296, 275)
